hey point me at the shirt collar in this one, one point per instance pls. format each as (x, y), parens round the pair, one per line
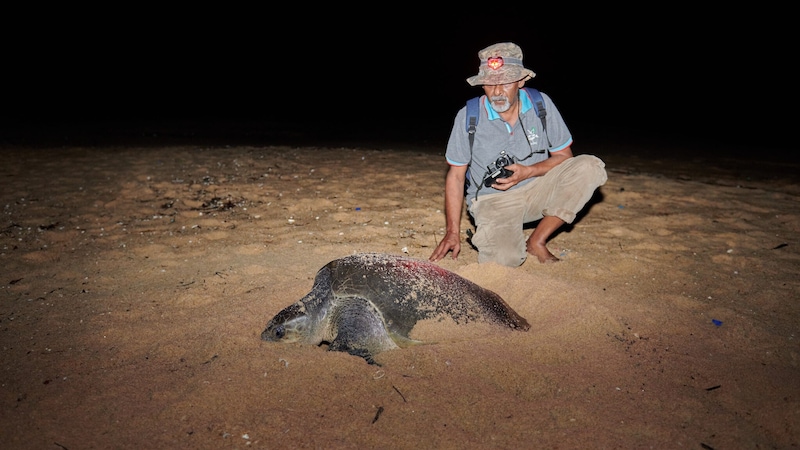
(525, 103)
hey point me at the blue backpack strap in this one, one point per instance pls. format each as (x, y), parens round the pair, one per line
(473, 114)
(538, 106)
(538, 102)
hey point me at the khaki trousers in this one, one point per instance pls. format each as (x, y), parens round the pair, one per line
(561, 192)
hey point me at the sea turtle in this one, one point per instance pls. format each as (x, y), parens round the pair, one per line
(366, 303)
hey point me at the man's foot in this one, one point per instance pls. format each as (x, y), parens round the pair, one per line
(535, 243)
(541, 253)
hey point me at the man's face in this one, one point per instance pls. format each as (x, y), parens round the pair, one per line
(502, 96)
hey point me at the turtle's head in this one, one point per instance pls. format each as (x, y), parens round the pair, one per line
(289, 325)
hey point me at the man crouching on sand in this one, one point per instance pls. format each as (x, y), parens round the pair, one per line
(542, 179)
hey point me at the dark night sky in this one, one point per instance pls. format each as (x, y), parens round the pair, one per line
(676, 78)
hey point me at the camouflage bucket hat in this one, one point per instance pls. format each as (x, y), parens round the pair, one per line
(500, 64)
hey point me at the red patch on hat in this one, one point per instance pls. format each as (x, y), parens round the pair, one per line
(495, 63)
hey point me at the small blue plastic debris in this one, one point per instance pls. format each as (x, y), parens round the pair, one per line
(716, 322)
(621, 206)
(358, 208)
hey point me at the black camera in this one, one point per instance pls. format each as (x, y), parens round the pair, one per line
(498, 169)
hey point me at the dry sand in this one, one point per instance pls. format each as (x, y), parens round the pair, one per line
(136, 282)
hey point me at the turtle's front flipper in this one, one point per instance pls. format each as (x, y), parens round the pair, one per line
(360, 329)
(360, 352)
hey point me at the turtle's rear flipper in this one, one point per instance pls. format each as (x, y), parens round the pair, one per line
(361, 331)
(403, 341)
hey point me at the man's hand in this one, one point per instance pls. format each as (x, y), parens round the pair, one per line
(450, 242)
(536, 170)
(519, 170)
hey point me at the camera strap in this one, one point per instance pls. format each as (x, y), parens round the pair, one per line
(530, 146)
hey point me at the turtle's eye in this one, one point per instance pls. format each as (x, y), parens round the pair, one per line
(280, 332)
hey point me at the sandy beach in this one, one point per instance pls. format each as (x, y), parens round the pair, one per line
(137, 280)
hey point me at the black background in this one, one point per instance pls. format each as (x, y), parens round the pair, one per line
(720, 81)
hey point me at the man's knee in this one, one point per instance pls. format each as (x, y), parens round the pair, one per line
(501, 244)
(591, 168)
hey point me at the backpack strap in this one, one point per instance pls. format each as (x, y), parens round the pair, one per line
(473, 114)
(538, 102)
(541, 111)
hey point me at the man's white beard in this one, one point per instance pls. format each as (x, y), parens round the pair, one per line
(500, 107)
